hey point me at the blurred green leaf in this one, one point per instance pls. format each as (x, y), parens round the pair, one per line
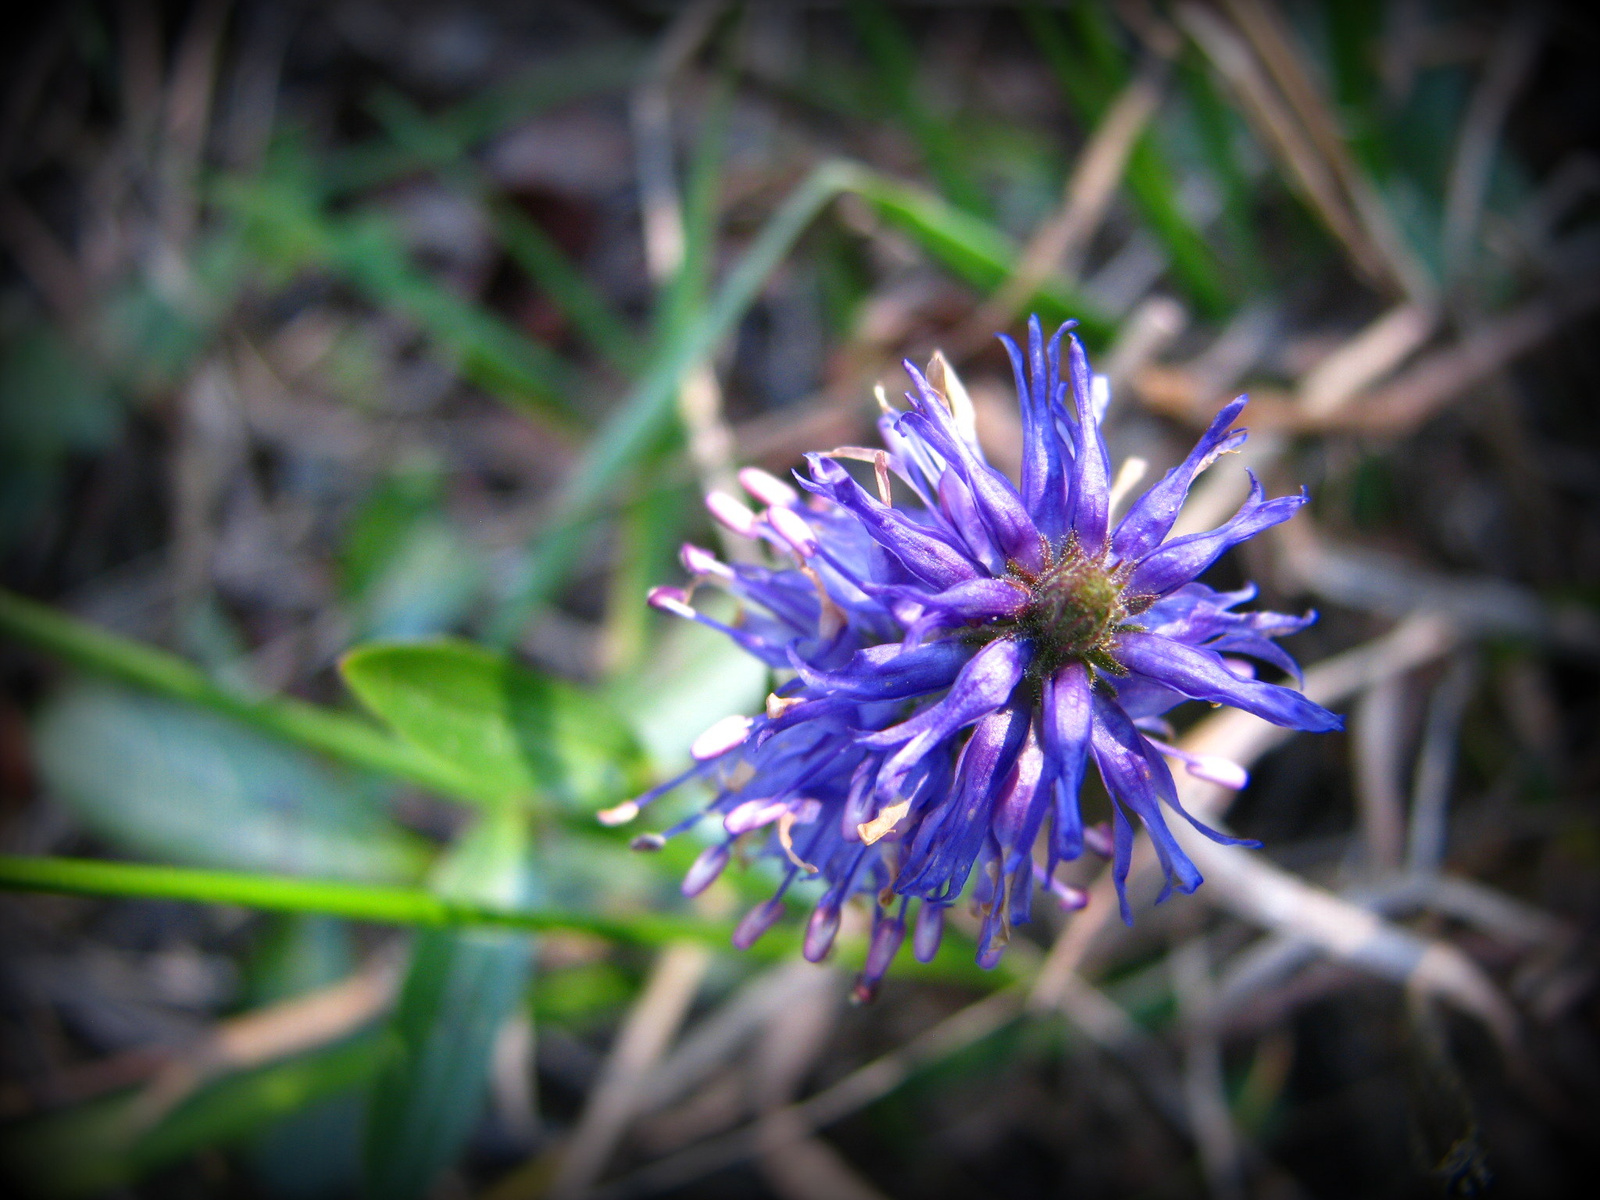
(385, 515)
(428, 583)
(53, 403)
(93, 1148)
(298, 953)
(519, 734)
(174, 783)
(347, 738)
(459, 989)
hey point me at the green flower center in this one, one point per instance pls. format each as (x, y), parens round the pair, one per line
(1076, 606)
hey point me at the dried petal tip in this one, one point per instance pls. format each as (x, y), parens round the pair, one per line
(723, 736)
(620, 815)
(767, 488)
(647, 842)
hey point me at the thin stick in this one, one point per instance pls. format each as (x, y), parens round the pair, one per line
(1430, 793)
(1057, 244)
(1204, 1091)
(852, 1093)
(650, 1025)
(1378, 732)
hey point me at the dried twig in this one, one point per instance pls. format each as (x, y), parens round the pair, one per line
(1058, 243)
(266, 1035)
(1380, 582)
(1430, 792)
(1284, 135)
(796, 1164)
(650, 1025)
(1267, 32)
(1364, 359)
(1204, 1091)
(1378, 729)
(855, 1091)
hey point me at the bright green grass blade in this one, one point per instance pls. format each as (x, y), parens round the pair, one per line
(975, 251)
(413, 906)
(352, 901)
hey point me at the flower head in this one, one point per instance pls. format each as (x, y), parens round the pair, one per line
(954, 664)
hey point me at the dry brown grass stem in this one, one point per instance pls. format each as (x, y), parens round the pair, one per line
(646, 1032)
(1057, 245)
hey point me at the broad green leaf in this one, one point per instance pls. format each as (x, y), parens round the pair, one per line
(180, 785)
(519, 735)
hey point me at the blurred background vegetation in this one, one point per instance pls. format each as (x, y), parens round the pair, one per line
(363, 364)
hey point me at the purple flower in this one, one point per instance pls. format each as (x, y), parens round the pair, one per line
(953, 664)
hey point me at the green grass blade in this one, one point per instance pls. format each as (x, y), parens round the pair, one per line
(570, 76)
(414, 906)
(460, 986)
(894, 62)
(352, 901)
(1091, 69)
(528, 245)
(636, 424)
(974, 250)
